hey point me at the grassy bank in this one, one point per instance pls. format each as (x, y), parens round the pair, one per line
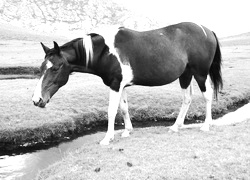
(152, 153)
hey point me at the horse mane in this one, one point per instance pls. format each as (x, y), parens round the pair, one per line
(86, 43)
(70, 43)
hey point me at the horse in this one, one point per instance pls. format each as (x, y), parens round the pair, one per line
(122, 57)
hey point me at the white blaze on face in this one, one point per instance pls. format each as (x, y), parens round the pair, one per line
(49, 65)
(38, 90)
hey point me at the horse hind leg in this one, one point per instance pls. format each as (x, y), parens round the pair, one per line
(125, 114)
(205, 85)
(187, 90)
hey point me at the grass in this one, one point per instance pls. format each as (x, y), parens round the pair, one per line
(152, 153)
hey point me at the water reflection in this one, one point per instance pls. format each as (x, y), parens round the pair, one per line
(26, 166)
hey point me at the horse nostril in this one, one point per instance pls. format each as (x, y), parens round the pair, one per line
(41, 103)
(38, 103)
(40, 100)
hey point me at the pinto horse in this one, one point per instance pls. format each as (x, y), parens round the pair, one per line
(123, 57)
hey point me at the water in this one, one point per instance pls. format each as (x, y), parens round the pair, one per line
(26, 166)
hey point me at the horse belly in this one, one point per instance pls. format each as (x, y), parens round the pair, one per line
(157, 75)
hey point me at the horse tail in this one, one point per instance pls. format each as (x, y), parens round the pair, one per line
(215, 69)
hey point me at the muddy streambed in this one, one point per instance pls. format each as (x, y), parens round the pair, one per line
(26, 166)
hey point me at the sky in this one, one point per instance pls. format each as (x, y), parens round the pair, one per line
(224, 17)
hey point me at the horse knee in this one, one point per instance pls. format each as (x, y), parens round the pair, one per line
(124, 107)
(187, 100)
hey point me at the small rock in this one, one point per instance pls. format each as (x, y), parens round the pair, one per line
(195, 157)
(129, 164)
(97, 170)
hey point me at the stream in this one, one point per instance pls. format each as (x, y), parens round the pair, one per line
(26, 166)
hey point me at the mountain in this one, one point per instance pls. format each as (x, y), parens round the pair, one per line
(67, 16)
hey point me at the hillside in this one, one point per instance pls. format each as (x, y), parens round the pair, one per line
(241, 39)
(10, 32)
(62, 17)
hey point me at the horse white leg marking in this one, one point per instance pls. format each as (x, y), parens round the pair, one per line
(208, 96)
(114, 99)
(125, 114)
(187, 93)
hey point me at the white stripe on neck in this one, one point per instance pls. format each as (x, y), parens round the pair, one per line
(87, 44)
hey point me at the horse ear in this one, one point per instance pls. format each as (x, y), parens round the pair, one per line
(45, 48)
(56, 47)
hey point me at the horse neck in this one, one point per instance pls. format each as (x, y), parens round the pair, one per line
(79, 63)
(80, 53)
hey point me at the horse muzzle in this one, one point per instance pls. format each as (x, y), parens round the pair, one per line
(41, 103)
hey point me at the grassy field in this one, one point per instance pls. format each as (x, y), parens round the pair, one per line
(82, 103)
(152, 153)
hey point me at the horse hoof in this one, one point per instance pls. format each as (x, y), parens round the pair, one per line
(104, 142)
(126, 133)
(173, 129)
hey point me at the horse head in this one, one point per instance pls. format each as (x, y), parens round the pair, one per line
(55, 71)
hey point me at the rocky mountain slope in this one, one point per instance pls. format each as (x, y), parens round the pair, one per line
(62, 16)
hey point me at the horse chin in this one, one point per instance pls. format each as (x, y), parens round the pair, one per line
(42, 103)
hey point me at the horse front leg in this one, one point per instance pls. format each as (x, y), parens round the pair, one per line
(114, 99)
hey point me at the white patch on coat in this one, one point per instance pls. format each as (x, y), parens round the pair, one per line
(202, 29)
(38, 90)
(87, 44)
(127, 76)
(109, 33)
